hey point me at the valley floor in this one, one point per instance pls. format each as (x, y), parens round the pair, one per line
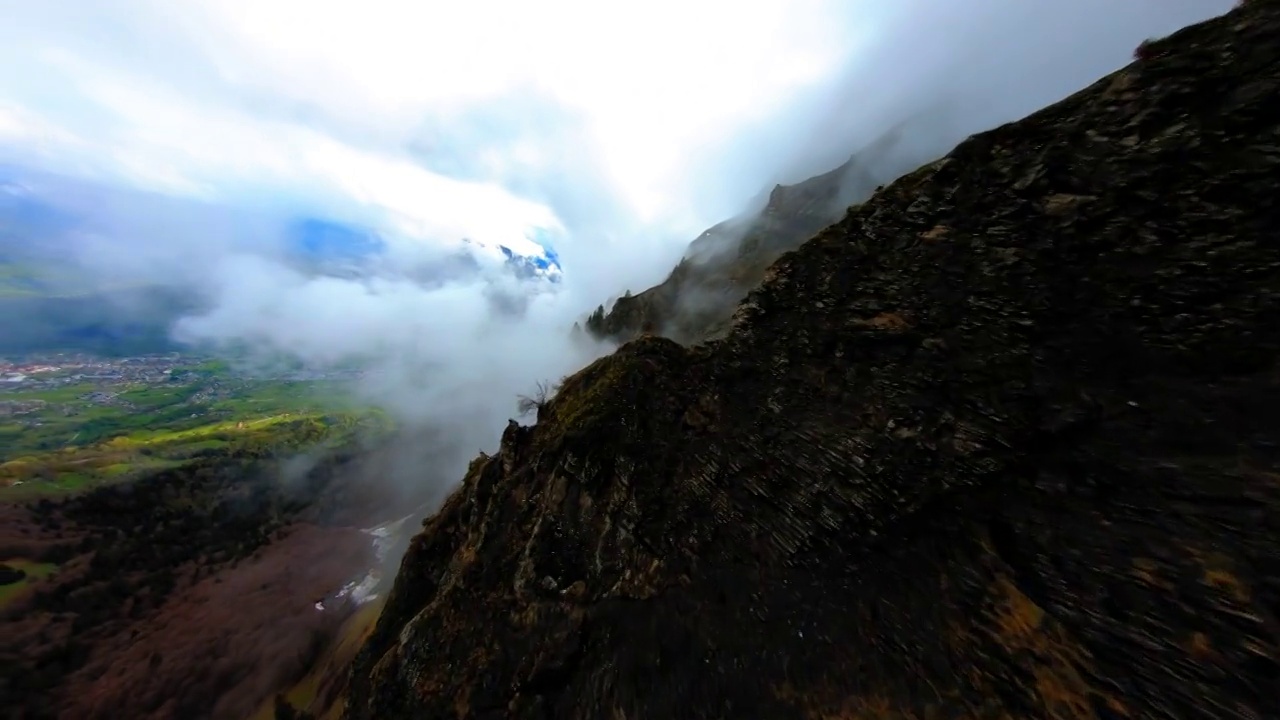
(177, 541)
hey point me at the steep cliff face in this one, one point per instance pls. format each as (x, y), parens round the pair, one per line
(696, 301)
(1000, 443)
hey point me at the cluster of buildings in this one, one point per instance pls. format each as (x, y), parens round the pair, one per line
(11, 408)
(73, 369)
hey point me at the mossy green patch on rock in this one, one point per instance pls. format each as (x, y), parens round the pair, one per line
(600, 399)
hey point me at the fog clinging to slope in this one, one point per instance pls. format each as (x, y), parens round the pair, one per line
(624, 132)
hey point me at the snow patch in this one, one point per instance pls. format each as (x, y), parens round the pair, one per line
(365, 589)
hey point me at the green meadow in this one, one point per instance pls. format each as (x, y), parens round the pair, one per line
(75, 440)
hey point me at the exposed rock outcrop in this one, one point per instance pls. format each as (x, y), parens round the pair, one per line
(1000, 443)
(696, 301)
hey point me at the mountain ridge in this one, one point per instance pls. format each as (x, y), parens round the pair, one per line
(997, 443)
(694, 302)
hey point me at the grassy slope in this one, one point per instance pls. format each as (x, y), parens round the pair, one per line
(35, 571)
(80, 443)
(126, 456)
(306, 695)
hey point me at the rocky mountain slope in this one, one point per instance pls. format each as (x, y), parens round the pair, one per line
(1000, 443)
(696, 301)
(190, 591)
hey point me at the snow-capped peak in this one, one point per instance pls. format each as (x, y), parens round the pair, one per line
(531, 256)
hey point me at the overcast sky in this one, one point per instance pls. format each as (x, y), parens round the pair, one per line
(625, 127)
(420, 114)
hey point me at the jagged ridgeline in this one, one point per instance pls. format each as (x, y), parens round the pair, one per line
(1002, 442)
(726, 261)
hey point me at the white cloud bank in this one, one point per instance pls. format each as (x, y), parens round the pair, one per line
(624, 128)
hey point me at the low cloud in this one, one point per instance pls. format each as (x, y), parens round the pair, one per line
(620, 132)
(454, 354)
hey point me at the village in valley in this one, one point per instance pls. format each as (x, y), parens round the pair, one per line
(25, 384)
(32, 384)
(43, 372)
(54, 400)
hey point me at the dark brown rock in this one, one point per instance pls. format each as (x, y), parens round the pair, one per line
(696, 300)
(1000, 443)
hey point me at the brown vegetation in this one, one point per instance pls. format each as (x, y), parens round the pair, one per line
(232, 638)
(189, 593)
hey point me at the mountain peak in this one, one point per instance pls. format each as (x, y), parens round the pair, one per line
(1000, 442)
(696, 300)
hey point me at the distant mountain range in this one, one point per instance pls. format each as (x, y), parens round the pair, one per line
(53, 298)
